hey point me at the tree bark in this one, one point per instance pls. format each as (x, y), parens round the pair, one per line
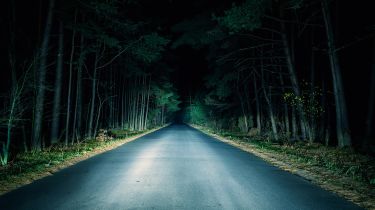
(70, 85)
(286, 111)
(268, 100)
(77, 122)
(93, 97)
(257, 103)
(293, 78)
(58, 82)
(40, 93)
(148, 101)
(342, 122)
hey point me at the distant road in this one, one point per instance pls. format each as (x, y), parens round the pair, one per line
(176, 167)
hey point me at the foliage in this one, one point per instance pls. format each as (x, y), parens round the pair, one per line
(310, 100)
(165, 95)
(150, 47)
(244, 17)
(196, 114)
(197, 32)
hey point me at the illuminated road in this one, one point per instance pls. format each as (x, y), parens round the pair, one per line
(174, 168)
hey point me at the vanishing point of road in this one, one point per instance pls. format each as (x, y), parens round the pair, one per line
(177, 167)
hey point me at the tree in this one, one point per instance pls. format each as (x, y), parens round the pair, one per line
(57, 94)
(41, 84)
(342, 123)
(13, 113)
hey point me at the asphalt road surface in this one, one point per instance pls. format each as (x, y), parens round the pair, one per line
(177, 167)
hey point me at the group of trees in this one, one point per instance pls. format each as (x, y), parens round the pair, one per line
(79, 65)
(275, 71)
(89, 67)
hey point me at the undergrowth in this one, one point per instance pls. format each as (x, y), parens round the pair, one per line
(339, 161)
(39, 161)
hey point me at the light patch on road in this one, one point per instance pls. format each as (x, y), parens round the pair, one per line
(132, 185)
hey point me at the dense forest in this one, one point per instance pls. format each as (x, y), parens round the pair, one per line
(287, 70)
(76, 67)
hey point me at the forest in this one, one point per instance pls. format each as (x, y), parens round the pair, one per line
(278, 71)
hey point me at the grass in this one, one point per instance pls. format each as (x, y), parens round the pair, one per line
(29, 166)
(341, 170)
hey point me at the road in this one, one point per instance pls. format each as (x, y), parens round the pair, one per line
(176, 167)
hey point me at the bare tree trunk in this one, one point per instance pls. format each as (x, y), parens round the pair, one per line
(123, 103)
(286, 112)
(14, 113)
(11, 117)
(294, 124)
(244, 115)
(148, 101)
(143, 103)
(342, 123)
(77, 123)
(268, 100)
(136, 113)
(58, 82)
(40, 94)
(292, 74)
(293, 78)
(70, 85)
(257, 102)
(93, 96)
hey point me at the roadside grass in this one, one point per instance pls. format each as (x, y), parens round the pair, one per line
(341, 170)
(29, 166)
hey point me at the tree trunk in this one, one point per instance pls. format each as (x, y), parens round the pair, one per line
(244, 115)
(286, 112)
(294, 125)
(342, 123)
(58, 82)
(93, 97)
(268, 100)
(257, 102)
(77, 123)
(293, 75)
(40, 93)
(148, 101)
(70, 86)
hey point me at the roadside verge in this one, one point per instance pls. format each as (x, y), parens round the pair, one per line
(343, 184)
(31, 166)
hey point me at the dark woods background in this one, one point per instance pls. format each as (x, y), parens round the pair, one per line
(229, 65)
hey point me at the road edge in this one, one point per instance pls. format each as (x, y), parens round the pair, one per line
(305, 174)
(28, 178)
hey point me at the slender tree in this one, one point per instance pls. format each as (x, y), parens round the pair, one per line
(41, 83)
(57, 90)
(342, 123)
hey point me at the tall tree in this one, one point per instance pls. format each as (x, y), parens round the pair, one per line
(41, 83)
(342, 122)
(58, 84)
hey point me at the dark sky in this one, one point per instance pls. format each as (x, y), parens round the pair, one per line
(190, 69)
(189, 65)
